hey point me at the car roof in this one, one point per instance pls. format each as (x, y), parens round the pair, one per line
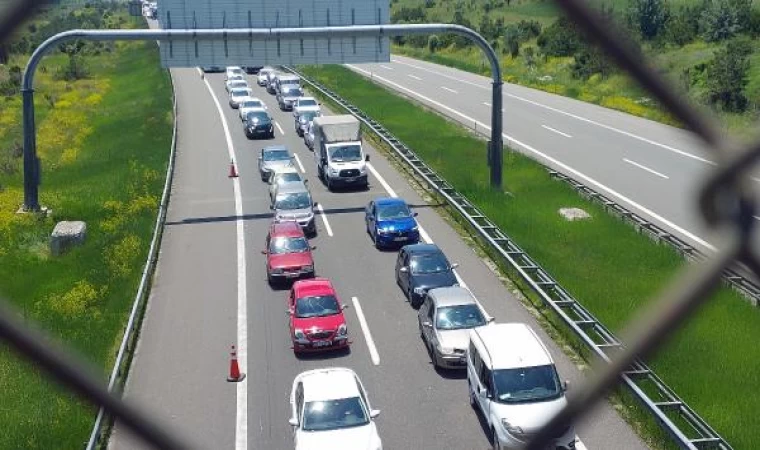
(422, 248)
(287, 76)
(313, 286)
(512, 345)
(300, 99)
(256, 109)
(451, 296)
(286, 229)
(328, 384)
(389, 201)
(269, 148)
(234, 68)
(294, 187)
(241, 89)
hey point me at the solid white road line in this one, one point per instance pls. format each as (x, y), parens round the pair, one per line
(568, 114)
(641, 166)
(487, 104)
(556, 131)
(241, 422)
(569, 170)
(365, 329)
(415, 77)
(324, 219)
(449, 89)
(279, 128)
(298, 160)
(386, 67)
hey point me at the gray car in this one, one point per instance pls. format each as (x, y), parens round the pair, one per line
(293, 202)
(273, 158)
(445, 319)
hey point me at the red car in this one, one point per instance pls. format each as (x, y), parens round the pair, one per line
(288, 253)
(316, 317)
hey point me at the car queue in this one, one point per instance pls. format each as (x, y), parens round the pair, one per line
(512, 380)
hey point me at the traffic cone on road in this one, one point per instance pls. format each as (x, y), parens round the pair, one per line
(235, 375)
(233, 170)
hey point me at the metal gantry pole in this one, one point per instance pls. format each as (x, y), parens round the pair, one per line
(31, 165)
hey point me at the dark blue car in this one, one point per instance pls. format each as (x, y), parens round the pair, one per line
(420, 268)
(391, 223)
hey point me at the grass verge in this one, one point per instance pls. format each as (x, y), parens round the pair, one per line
(104, 143)
(707, 362)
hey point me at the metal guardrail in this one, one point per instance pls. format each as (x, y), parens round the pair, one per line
(733, 277)
(128, 340)
(691, 432)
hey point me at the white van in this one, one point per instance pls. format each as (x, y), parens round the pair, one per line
(513, 381)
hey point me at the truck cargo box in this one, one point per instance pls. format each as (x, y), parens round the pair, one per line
(343, 128)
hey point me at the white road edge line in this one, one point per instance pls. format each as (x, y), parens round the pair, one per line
(298, 160)
(568, 114)
(241, 422)
(643, 167)
(553, 161)
(415, 77)
(449, 89)
(324, 219)
(279, 128)
(367, 334)
(386, 67)
(556, 131)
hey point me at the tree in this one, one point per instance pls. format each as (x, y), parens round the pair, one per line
(724, 19)
(590, 60)
(433, 43)
(649, 17)
(727, 76)
(560, 38)
(683, 26)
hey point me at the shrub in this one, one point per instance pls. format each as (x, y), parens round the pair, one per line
(648, 17)
(726, 76)
(723, 19)
(560, 38)
(433, 43)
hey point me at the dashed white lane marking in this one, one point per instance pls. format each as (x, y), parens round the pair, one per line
(556, 131)
(298, 161)
(241, 421)
(553, 161)
(568, 114)
(386, 67)
(279, 128)
(643, 167)
(367, 334)
(324, 219)
(415, 77)
(449, 89)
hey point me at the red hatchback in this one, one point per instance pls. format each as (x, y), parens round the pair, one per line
(288, 253)
(316, 317)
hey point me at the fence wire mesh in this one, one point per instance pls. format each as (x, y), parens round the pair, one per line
(725, 201)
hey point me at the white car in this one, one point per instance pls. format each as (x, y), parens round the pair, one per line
(308, 136)
(233, 70)
(305, 104)
(285, 175)
(248, 104)
(330, 411)
(238, 94)
(262, 76)
(235, 81)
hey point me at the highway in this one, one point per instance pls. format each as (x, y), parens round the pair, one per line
(652, 169)
(210, 292)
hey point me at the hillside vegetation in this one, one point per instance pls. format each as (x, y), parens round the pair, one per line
(707, 48)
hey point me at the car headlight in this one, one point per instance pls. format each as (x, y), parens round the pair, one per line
(419, 290)
(299, 336)
(309, 268)
(445, 350)
(277, 270)
(416, 228)
(333, 171)
(383, 231)
(512, 429)
(342, 330)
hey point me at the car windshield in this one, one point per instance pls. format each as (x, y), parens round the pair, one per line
(240, 93)
(393, 211)
(289, 83)
(334, 414)
(257, 116)
(288, 177)
(317, 306)
(343, 153)
(458, 317)
(280, 245)
(526, 384)
(238, 83)
(236, 77)
(276, 155)
(252, 104)
(298, 200)
(290, 92)
(430, 263)
(307, 102)
(307, 116)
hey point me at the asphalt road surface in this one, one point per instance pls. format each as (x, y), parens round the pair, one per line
(210, 292)
(652, 169)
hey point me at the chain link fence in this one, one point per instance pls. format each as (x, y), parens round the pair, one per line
(725, 201)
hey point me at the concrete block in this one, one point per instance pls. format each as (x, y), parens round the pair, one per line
(65, 235)
(571, 214)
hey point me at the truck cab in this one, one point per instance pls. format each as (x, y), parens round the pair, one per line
(338, 151)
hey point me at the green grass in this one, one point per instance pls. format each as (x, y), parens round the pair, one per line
(712, 362)
(108, 171)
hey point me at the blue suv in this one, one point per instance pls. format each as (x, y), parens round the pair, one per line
(391, 223)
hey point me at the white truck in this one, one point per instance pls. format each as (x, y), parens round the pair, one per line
(338, 151)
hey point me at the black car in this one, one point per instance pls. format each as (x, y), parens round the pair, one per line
(258, 124)
(212, 69)
(421, 267)
(252, 69)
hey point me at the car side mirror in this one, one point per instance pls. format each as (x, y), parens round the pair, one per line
(271, 207)
(454, 266)
(344, 306)
(404, 269)
(293, 421)
(566, 385)
(415, 214)
(427, 324)
(315, 204)
(366, 157)
(374, 413)
(490, 319)
(263, 252)
(288, 312)
(305, 181)
(313, 247)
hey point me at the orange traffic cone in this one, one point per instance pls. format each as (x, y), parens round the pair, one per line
(235, 375)
(233, 170)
